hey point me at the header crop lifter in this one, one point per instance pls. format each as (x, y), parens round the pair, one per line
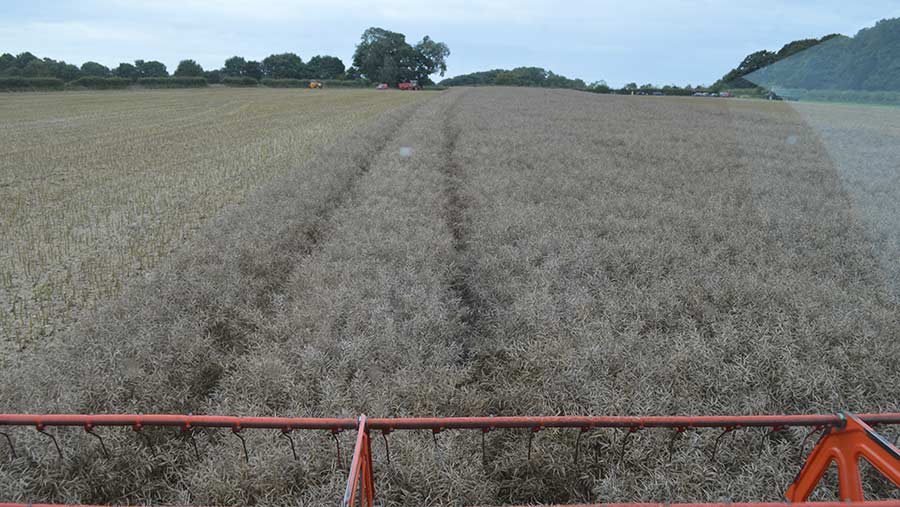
(845, 439)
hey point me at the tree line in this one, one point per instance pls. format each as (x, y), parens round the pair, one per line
(542, 78)
(380, 56)
(520, 76)
(280, 66)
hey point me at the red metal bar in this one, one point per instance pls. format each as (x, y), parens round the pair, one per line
(361, 480)
(183, 421)
(368, 472)
(845, 445)
(361, 477)
(782, 421)
(420, 423)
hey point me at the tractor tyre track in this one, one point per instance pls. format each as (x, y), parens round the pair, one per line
(313, 233)
(476, 337)
(455, 207)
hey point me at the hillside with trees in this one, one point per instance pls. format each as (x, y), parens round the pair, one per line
(866, 62)
(520, 76)
(736, 78)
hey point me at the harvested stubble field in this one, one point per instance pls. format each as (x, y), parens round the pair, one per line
(490, 251)
(97, 187)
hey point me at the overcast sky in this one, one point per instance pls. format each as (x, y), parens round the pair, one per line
(657, 41)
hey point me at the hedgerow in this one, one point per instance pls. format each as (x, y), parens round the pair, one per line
(30, 83)
(100, 83)
(239, 82)
(304, 83)
(286, 83)
(345, 83)
(172, 82)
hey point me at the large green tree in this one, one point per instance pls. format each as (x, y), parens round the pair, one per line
(126, 71)
(7, 61)
(37, 68)
(385, 56)
(284, 66)
(94, 69)
(151, 68)
(430, 57)
(213, 76)
(325, 67)
(66, 71)
(234, 66)
(189, 68)
(379, 55)
(751, 63)
(23, 59)
(352, 73)
(253, 69)
(238, 66)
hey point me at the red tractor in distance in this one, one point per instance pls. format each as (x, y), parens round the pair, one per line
(410, 85)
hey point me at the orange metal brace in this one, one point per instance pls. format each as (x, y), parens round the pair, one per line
(845, 444)
(361, 479)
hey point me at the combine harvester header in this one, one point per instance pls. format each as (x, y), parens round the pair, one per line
(845, 439)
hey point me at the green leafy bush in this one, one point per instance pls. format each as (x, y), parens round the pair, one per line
(100, 83)
(520, 76)
(240, 81)
(286, 83)
(30, 83)
(304, 83)
(173, 82)
(345, 83)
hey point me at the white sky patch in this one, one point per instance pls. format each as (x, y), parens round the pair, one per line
(259, 10)
(396, 10)
(74, 30)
